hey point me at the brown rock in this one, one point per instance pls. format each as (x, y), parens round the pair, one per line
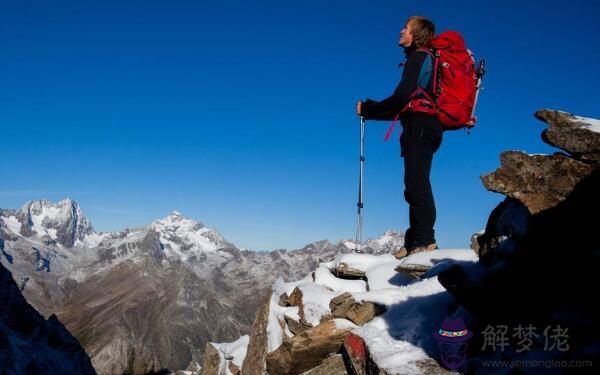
(254, 363)
(283, 300)
(345, 272)
(235, 370)
(361, 313)
(568, 133)
(306, 350)
(340, 305)
(345, 307)
(212, 362)
(295, 327)
(538, 181)
(295, 299)
(333, 365)
(415, 270)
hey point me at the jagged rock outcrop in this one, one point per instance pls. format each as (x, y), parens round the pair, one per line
(573, 134)
(254, 363)
(539, 251)
(538, 181)
(31, 345)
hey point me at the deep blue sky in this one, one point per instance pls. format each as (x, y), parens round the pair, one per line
(241, 114)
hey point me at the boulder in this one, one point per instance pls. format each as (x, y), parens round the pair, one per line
(570, 133)
(538, 181)
(343, 271)
(344, 306)
(308, 349)
(340, 305)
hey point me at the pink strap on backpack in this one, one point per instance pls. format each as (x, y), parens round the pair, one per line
(390, 130)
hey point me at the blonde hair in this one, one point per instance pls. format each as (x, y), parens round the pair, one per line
(422, 30)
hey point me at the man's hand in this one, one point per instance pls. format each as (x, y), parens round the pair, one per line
(359, 108)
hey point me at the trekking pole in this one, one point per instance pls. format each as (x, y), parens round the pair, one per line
(480, 73)
(359, 218)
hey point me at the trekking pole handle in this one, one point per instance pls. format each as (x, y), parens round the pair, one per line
(481, 68)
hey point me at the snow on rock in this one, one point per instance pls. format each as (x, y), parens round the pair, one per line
(324, 278)
(398, 339)
(276, 328)
(362, 262)
(233, 351)
(281, 287)
(315, 302)
(588, 123)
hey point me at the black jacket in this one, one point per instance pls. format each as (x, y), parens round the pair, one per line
(388, 108)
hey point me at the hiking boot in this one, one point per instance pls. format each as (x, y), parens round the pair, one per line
(409, 250)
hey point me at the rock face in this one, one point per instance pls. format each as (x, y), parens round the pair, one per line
(31, 345)
(542, 181)
(538, 181)
(539, 248)
(572, 134)
(61, 223)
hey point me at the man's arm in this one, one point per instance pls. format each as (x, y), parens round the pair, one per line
(387, 108)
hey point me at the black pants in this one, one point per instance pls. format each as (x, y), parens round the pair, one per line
(421, 137)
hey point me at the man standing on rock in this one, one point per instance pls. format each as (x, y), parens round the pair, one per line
(421, 136)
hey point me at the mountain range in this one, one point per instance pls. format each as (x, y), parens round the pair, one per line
(148, 298)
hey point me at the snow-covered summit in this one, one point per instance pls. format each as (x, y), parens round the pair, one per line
(183, 237)
(63, 221)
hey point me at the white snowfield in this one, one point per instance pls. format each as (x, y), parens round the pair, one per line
(400, 337)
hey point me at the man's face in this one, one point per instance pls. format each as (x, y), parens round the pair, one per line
(406, 37)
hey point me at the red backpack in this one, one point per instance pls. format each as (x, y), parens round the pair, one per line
(455, 83)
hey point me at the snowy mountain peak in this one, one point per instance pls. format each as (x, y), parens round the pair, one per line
(176, 215)
(62, 222)
(183, 237)
(389, 241)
